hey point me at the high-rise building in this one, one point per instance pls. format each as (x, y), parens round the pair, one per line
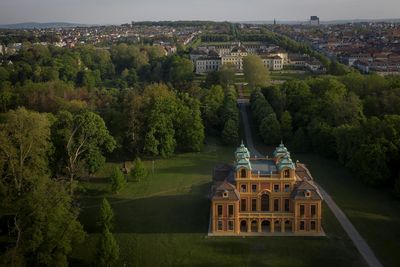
(314, 21)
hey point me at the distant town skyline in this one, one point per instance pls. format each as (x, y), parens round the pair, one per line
(123, 11)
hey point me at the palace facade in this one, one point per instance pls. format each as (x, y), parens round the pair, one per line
(211, 58)
(259, 195)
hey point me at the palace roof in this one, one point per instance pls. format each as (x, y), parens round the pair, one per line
(285, 162)
(263, 166)
(225, 191)
(281, 150)
(306, 190)
(243, 163)
(239, 49)
(242, 156)
(222, 172)
(242, 152)
(302, 172)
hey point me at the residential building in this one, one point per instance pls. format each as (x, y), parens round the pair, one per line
(207, 64)
(272, 62)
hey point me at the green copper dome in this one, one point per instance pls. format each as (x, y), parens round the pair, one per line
(281, 150)
(242, 156)
(243, 163)
(286, 162)
(242, 152)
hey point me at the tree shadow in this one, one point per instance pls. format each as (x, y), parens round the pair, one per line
(78, 263)
(182, 213)
(189, 165)
(96, 180)
(94, 192)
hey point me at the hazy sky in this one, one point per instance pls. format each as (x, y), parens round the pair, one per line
(122, 11)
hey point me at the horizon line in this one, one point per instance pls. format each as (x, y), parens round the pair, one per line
(205, 20)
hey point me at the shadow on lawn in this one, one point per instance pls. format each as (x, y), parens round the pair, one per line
(186, 213)
(96, 180)
(189, 165)
(184, 169)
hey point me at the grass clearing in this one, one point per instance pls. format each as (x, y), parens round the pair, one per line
(286, 75)
(163, 221)
(373, 211)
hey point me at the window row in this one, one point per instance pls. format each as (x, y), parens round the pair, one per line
(230, 212)
(276, 188)
(220, 225)
(313, 225)
(313, 210)
(265, 205)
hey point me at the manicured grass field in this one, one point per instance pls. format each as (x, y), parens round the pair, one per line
(286, 75)
(163, 221)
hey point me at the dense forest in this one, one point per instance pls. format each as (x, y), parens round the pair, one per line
(64, 111)
(352, 118)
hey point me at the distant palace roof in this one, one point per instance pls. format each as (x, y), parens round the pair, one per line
(239, 49)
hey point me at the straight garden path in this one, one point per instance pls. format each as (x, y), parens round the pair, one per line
(349, 228)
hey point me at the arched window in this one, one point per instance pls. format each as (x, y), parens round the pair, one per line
(265, 226)
(288, 226)
(277, 226)
(243, 173)
(265, 202)
(243, 226)
(254, 226)
(287, 174)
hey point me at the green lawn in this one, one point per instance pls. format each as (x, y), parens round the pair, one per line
(285, 75)
(373, 211)
(163, 221)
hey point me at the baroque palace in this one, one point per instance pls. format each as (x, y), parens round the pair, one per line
(264, 196)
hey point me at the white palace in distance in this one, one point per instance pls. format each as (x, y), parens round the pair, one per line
(209, 58)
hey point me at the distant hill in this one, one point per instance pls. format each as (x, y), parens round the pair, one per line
(37, 25)
(344, 21)
(272, 22)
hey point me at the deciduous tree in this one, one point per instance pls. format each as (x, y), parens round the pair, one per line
(117, 180)
(270, 130)
(107, 249)
(24, 150)
(106, 218)
(286, 125)
(78, 135)
(230, 133)
(255, 73)
(138, 171)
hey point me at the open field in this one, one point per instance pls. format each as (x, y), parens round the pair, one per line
(373, 211)
(163, 222)
(286, 75)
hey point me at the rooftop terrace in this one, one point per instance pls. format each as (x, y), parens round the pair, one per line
(264, 167)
